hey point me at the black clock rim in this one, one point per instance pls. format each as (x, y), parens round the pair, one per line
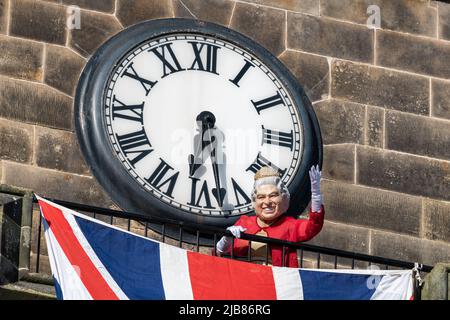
(97, 150)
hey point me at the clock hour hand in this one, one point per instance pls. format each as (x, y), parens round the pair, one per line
(194, 164)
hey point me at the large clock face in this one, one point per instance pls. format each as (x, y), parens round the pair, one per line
(178, 116)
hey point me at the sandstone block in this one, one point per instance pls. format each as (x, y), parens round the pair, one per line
(437, 220)
(264, 25)
(62, 69)
(16, 141)
(339, 162)
(403, 173)
(415, 54)
(380, 87)
(133, 11)
(38, 20)
(372, 208)
(35, 103)
(329, 37)
(407, 248)
(21, 58)
(311, 72)
(409, 16)
(217, 11)
(374, 127)
(3, 16)
(418, 135)
(306, 6)
(58, 185)
(97, 5)
(340, 121)
(440, 103)
(56, 149)
(444, 20)
(94, 29)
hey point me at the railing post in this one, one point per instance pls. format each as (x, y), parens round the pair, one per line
(435, 284)
(38, 253)
(214, 244)
(15, 233)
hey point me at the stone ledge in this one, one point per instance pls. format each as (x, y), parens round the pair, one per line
(27, 291)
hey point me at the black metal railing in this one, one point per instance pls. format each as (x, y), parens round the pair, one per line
(195, 237)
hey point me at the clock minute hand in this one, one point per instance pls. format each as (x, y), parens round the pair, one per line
(218, 192)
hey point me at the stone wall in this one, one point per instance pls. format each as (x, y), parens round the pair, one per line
(382, 97)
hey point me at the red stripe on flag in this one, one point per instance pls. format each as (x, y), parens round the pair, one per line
(214, 278)
(89, 275)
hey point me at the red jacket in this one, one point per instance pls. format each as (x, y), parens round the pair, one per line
(286, 228)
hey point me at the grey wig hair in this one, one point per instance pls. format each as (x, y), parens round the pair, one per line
(274, 181)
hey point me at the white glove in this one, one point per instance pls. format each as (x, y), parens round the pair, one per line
(236, 230)
(224, 244)
(316, 196)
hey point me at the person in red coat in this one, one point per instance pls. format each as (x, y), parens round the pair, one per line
(270, 199)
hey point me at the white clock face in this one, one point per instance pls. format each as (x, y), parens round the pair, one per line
(192, 118)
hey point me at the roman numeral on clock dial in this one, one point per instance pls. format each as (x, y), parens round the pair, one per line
(269, 102)
(163, 52)
(135, 143)
(284, 139)
(239, 192)
(263, 162)
(161, 172)
(210, 65)
(131, 112)
(146, 84)
(203, 195)
(242, 72)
